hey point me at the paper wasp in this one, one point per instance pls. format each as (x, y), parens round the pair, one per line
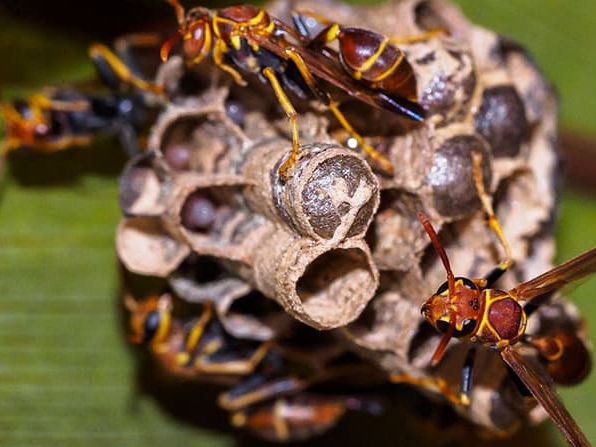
(202, 342)
(246, 39)
(269, 388)
(58, 118)
(61, 117)
(471, 309)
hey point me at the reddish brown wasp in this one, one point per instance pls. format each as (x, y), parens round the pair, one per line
(269, 393)
(58, 118)
(245, 39)
(471, 309)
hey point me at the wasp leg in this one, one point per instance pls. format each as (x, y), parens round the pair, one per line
(493, 222)
(333, 106)
(435, 384)
(129, 140)
(467, 371)
(235, 367)
(400, 40)
(218, 58)
(292, 116)
(275, 415)
(113, 71)
(125, 44)
(40, 102)
(257, 389)
(195, 335)
(370, 151)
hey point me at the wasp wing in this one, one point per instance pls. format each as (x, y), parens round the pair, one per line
(541, 387)
(324, 68)
(572, 270)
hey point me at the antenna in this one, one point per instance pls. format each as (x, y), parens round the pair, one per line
(439, 249)
(179, 9)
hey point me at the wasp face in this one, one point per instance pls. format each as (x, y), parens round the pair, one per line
(150, 321)
(24, 123)
(195, 32)
(461, 309)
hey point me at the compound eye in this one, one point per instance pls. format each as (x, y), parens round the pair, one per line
(442, 326)
(468, 283)
(443, 288)
(468, 327)
(194, 46)
(151, 325)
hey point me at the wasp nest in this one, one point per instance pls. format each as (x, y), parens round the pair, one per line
(338, 246)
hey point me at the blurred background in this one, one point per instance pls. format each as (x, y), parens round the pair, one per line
(67, 376)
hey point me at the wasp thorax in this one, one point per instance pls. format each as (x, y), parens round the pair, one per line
(243, 13)
(244, 16)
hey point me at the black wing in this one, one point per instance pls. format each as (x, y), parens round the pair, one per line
(568, 272)
(543, 390)
(323, 68)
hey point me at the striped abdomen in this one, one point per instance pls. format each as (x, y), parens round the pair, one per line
(370, 57)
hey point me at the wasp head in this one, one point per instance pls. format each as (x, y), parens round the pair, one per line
(149, 319)
(25, 123)
(194, 28)
(459, 308)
